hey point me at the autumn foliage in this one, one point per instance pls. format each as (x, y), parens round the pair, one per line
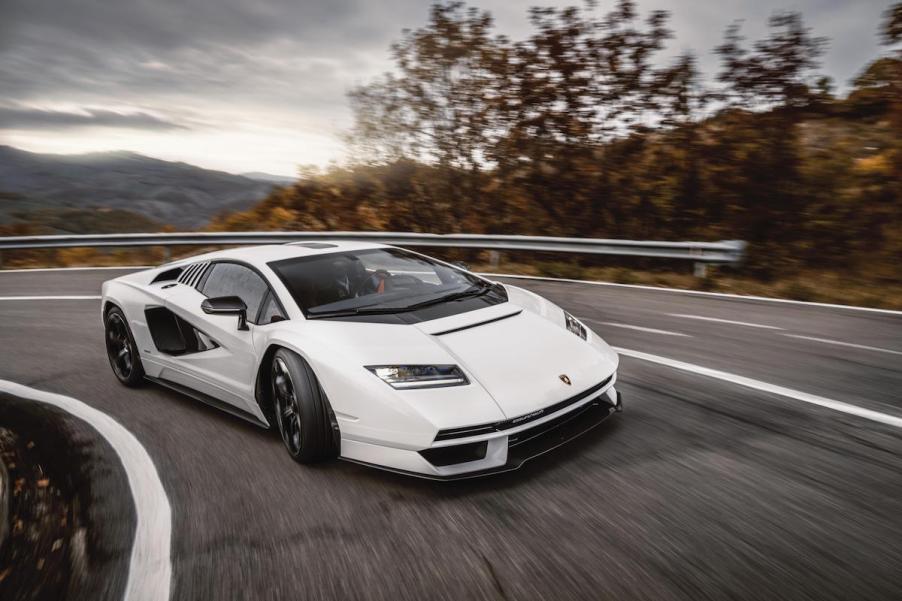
(582, 129)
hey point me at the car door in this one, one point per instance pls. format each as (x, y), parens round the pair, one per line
(228, 371)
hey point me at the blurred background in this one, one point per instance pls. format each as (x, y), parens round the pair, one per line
(772, 122)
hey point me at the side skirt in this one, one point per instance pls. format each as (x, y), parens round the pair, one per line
(209, 400)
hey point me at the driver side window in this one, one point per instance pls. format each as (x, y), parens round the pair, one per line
(232, 279)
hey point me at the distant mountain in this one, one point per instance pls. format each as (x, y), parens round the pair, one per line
(270, 177)
(163, 192)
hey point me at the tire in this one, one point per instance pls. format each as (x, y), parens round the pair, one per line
(121, 349)
(304, 417)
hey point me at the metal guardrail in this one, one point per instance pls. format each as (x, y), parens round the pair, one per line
(723, 252)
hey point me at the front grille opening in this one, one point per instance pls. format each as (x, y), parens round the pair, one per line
(549, 426)
(461, 453)
(466, 431)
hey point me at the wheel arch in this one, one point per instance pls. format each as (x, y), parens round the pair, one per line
(263, 388)
(117, 294)
(262, 379)
(108, 305)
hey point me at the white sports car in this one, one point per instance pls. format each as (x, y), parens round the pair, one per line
(376, 354)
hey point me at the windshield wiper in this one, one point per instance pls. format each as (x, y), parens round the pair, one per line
(357, 311)
(475, 290)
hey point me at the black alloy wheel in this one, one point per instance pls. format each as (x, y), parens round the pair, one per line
(288, 417)
(303, 414)
(121, 349)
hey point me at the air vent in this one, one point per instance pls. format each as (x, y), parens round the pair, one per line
(168, 276)
(315, 245)
(193, 274)
(477, 324)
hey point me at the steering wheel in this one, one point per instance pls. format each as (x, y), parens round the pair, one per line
(373, 284)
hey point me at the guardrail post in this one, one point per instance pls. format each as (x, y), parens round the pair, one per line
(494, 259)
(167, 254)
(700, 270)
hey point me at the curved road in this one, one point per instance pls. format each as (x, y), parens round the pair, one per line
(703, 488)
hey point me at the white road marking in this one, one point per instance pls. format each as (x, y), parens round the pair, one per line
(849, 344)
(729, 321)
(40, 298)
(40, 269)
(883, 418)
(627, 326)
(696, 293)
(534, 277)
(150, 568)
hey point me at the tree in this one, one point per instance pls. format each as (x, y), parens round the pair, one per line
(765, 92)
(437, 107)
(535, 112)
(892, 25)
(776, 73)
(578, 82)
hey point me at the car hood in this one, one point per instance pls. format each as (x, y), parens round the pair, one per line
(524, 361)
(519, 353)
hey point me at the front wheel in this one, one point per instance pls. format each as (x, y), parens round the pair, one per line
(303, 415)
(121, 349)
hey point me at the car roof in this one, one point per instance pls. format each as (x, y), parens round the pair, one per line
(262, 254)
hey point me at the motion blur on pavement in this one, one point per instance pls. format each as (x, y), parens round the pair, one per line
(759, 454)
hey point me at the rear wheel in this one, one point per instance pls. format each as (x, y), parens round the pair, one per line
(121, 349)
(303, 415)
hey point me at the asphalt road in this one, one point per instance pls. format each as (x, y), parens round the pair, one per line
(701, 489)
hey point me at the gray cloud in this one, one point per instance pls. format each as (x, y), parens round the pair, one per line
(30, 118)
(200, 54)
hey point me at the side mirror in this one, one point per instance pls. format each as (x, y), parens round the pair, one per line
(462, 265)
(227, 305)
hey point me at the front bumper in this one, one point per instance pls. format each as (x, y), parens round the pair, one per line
(502, 453)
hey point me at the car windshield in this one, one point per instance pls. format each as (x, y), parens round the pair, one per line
(376, 280)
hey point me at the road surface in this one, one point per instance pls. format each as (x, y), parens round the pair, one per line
(704, 488)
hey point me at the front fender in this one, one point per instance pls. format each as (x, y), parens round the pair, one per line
(366, 408)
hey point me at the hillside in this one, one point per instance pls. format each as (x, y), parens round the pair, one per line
(282, 180)
(38, 187)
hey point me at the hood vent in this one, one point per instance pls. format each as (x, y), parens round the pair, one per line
(477, 324)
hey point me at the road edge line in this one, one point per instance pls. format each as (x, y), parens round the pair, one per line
(40, 298)
(551, 279)
(150, 566)
(88, 268)
(697, 293)
(798, 395)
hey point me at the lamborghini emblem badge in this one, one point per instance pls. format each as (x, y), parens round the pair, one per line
(565, 379)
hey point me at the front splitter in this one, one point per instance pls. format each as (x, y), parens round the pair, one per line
(531, 443)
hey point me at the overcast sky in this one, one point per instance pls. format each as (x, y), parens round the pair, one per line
(259, 85)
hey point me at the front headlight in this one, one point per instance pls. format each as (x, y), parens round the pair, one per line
(574, 326)
(405, 377)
